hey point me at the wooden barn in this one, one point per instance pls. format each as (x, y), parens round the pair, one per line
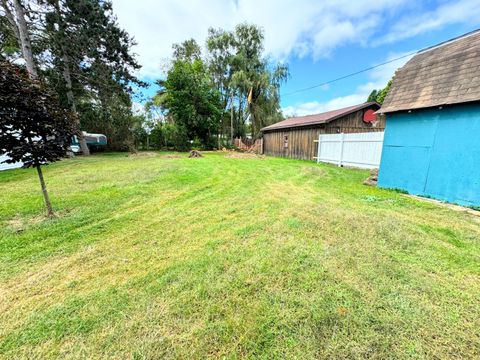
(294, 137)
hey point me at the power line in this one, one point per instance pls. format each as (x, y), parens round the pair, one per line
(350, 75)
(384, 63)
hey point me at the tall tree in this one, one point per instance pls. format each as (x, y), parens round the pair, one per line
(77, 47)
(97, 65)
(220, 46)
(246, 82)
(241, 72)
(379, 95)
(188, 50)
(9, 34)
(20, 28)
(24, 36)
(373, 96)
(59, 45)
(192, 102)
(15, 14)
(264, 99)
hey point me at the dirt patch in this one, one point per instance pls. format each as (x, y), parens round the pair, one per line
(372, 180)
(238, 155)
(454, 207)
(21, 223)
(143, 154)
(313, 170)
(195, 154)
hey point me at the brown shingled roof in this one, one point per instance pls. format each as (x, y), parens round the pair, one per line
(446, 74)
(322, 118)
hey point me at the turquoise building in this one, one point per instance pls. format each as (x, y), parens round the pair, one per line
(432, 135)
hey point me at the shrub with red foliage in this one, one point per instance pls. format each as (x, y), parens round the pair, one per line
(34, 128)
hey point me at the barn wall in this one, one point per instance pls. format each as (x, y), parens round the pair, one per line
(301, 143)
(434, 153)
(353, 123)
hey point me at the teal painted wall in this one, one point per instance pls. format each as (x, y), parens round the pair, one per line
(434, 152)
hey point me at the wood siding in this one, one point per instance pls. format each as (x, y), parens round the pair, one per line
(301, 143)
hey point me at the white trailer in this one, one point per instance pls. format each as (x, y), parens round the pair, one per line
(5, 166)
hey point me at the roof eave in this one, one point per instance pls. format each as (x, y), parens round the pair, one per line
(393, 109)
(294, 126)
(313, 123)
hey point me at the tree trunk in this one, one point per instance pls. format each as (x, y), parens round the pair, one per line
(71, 99)
(240, 119)
(231, 120)
(25, 39)
(68, 80)
(11, 20)
(252, 119)
(45, 193)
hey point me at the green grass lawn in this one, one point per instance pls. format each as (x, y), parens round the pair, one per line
(159, 257)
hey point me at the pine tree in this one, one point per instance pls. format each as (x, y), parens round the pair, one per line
(82, 53)
(97, 65)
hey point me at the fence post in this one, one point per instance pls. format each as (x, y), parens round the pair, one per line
(319, 147)
(342, 141)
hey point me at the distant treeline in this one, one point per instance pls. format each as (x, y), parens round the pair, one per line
(207, 99)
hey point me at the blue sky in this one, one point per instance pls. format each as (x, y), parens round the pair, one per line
(320, 40)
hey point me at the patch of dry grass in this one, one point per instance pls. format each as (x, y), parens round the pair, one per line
(244, 155)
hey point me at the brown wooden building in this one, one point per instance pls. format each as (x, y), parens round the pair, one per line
(294, 137)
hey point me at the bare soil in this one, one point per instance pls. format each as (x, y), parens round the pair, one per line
(239, 155)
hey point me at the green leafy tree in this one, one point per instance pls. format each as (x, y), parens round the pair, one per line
(241, 85)
(97, 66)
(78, 48)
(188, 50)
(15, 12)
(379, 95)
(9, 47)
(383, 93)
(373, 96)
(191, 101)
(241, 72)
(221, 47)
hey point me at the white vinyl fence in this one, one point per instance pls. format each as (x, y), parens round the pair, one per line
(361, 150)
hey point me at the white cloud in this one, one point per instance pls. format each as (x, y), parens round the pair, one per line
(156, 25)
(292, 27)
(315, 107)
(378, 78)
(453, 12)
